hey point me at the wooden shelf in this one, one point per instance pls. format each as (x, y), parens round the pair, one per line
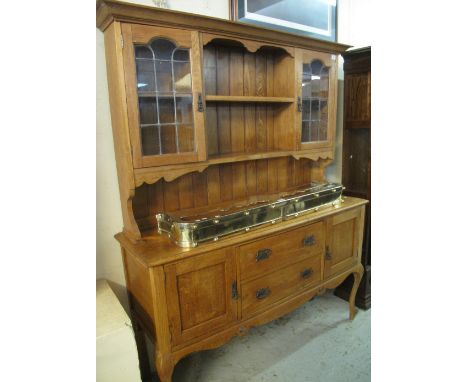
(151, 175)
(226, 98)
(239, 157)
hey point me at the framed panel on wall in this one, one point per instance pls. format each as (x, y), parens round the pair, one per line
(313, 18)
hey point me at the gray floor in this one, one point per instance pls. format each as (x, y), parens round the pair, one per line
(316, 343)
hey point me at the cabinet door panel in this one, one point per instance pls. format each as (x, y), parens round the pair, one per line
(343, 238)
(200, 296)
(163, 83)
(316, 95)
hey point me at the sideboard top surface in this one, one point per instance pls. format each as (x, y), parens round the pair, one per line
(108, 11)
(157, 249)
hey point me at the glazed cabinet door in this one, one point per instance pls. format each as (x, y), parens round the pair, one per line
(164, 92)
(343, 243)
(316, 99)
(201, 295)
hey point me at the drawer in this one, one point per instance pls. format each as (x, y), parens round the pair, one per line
(262, 292)
(274, 252)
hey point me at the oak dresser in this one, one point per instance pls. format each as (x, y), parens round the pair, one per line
(208, 114)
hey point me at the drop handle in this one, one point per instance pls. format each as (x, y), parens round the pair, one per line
(234, 293)
(309, 241)
(201, 107)
(263, 254)
(263, 293)
(306, 273)
(299, 104)
(328, 254)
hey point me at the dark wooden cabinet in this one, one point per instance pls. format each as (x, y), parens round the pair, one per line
(357, 155)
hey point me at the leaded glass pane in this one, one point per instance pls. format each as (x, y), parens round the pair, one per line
(166, 110)
(315, 88)
(315, 106)
(182, 77)
(184, 111)
(164, 76)
(163, 48)
(186, 141)
(169, 144)
(142, 51)
(181, 55)
(145, 76)
(305, 131)
(306, 109)
(148, 113)
(314, 131)
(164, 86)
(150, 138)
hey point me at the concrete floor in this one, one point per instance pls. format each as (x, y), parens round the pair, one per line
(316, 343)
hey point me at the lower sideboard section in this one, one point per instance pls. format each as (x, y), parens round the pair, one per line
(202, 301)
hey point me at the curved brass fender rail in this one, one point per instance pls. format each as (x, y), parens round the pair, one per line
(189, 231)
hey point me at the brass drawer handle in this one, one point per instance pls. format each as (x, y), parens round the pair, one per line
(263, 254)
(263, 293)
(309, 241)
(306, 273)
(328, 255)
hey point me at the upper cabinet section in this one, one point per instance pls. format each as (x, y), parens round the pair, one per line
(190, 91)
(316, 99)
(164, 93)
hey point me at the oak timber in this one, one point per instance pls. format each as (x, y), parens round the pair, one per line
(207, 114)
(109, 11)
(221, 98)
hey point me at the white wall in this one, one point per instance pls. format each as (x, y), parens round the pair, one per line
(215, 8)
(108, 214)
(353, 29)
(354, 20)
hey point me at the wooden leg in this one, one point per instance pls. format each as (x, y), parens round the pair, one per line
(352, 297)
(165, 366)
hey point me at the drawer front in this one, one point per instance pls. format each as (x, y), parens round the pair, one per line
(274, 252)
(262, 292)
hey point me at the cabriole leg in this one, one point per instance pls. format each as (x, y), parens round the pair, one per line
(165, 366)
(352, 297)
